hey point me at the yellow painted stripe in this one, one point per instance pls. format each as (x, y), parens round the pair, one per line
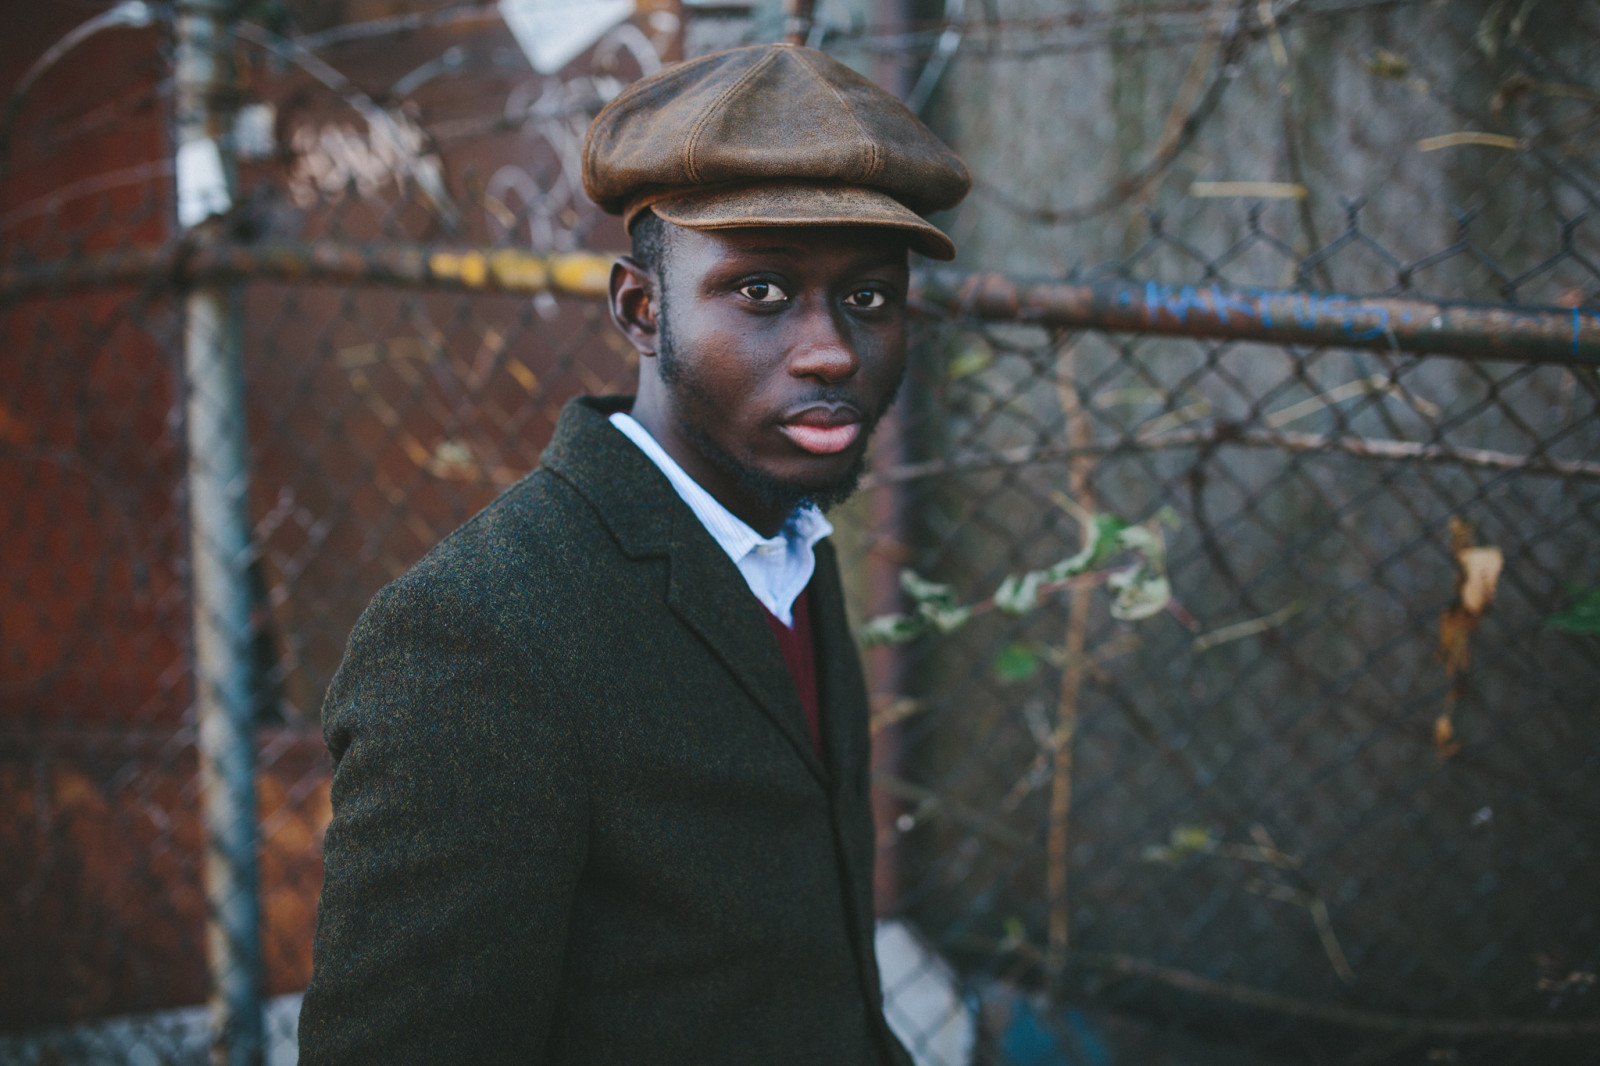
(1259, 190)
(1453, 140)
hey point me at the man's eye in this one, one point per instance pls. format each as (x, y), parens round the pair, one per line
(866, 299)
(762, 292)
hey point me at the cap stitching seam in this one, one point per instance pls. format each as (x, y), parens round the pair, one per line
(621, 100)
(874, 162)
(716, 105)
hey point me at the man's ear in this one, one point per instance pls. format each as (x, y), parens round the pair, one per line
(636, 302)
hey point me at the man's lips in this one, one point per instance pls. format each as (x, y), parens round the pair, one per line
(823, 429)
(822, 440)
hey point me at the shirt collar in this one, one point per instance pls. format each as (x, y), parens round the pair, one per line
(804, 528)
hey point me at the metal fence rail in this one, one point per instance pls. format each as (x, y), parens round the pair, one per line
(1383, 323)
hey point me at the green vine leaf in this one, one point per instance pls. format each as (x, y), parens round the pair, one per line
(1143, 540)
(1019, 595)
(1140, 590)
(946, 619)
(1584, 615)
(1141, 593)
(936, 603)
(1073, 565)
(973, 359)
(1183, 841)
(1108, 532)
(890, 629)
(924, 591)
(1015, 663)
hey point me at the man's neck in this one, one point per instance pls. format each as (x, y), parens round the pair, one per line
(651, 411)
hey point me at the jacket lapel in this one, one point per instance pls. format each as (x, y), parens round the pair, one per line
(840, 685)
(705, 589)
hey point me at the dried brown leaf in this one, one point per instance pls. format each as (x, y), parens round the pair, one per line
(1387, 64)
(1480, 574)
(1444, 737)
(1511, 90)
(1455, 647)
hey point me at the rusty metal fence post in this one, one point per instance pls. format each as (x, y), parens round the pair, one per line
(220, 547)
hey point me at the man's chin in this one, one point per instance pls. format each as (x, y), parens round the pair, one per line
(783, 494)
(828, 496)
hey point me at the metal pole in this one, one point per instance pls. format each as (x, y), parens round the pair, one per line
(219, 534)
(1381, 323)
(797, 16)
(890, 534)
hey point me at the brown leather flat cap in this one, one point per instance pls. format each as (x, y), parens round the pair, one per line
(771, 135)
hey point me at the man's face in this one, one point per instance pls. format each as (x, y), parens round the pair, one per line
(776, 352)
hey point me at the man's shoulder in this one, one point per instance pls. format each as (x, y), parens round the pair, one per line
(530, 534)
(552, 544)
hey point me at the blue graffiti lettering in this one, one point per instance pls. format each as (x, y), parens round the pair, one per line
(1376, 311)
(1223, 302)
(1161, 298)
(1308, 310)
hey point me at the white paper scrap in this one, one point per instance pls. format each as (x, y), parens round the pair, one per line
(202, 186)
(552, 33)
(253, 131)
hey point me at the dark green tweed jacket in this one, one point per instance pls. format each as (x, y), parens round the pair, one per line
(577, 816)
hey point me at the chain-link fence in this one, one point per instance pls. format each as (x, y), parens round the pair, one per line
(1293, 765)
(1312, 806)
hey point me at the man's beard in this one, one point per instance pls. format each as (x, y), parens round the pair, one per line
(774, 492)
(770, 492)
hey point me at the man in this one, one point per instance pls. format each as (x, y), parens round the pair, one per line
(600, 758)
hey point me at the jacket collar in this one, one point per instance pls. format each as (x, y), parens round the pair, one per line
(648, 519)
(624, 487)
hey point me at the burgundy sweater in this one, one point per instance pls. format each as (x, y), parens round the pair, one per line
(801, 657)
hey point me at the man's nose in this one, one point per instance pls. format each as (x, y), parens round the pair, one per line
(823, 352)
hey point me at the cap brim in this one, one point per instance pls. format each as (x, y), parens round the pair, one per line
(796, 204)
